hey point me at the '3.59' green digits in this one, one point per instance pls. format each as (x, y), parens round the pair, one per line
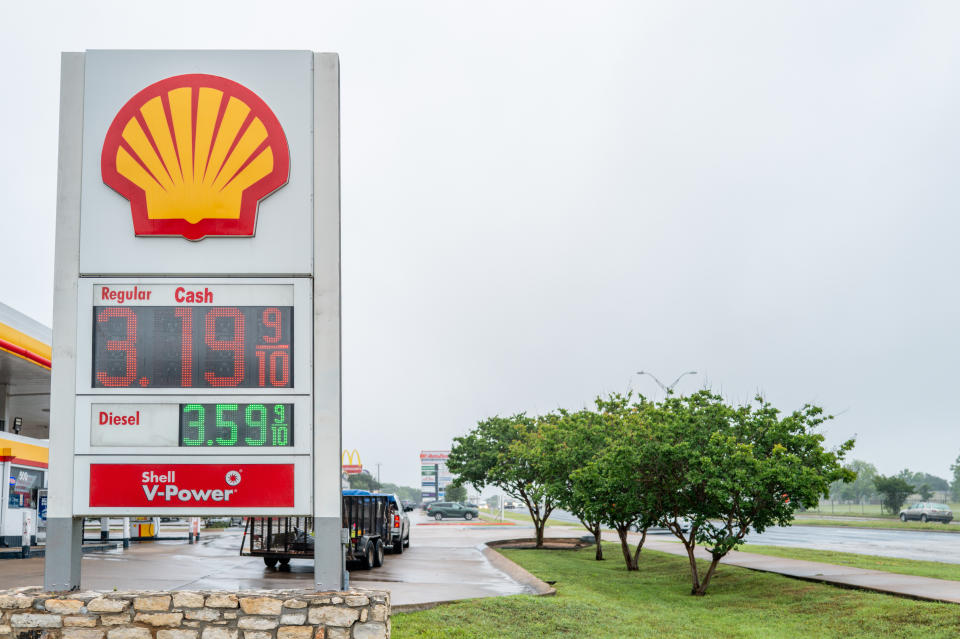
(219, 425)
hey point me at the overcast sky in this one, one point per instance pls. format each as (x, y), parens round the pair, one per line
(540, 199)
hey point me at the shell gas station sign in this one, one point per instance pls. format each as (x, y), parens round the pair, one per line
(196, 313)
(194, 154)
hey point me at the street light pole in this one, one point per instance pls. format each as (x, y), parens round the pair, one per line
(666, 389)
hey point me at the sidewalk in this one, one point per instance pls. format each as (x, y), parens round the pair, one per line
(889, 583)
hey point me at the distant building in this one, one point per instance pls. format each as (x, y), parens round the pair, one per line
(434, 476)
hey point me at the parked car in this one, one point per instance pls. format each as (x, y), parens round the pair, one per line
(440, 509)
(927, 511)
(408, 505)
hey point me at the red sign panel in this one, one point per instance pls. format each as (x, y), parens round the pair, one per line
(191, 485)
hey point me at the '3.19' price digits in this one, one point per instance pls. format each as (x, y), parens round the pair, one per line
(193, 347)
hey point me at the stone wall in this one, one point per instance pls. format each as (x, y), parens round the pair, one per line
(29, 613)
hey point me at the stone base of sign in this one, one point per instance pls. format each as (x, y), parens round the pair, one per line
(30, 613)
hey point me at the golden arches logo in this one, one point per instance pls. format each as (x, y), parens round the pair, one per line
(350, 462)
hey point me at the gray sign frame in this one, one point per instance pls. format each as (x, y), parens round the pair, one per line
(317, 144)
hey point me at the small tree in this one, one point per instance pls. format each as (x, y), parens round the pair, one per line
(733, 469)
(455, 492)
(486, 457)
(563, 443)
(955, 486)
(895, 490)
(925, 492)
(362, 481)
(611, 486)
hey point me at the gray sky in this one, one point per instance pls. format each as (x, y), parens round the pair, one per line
(540, 199)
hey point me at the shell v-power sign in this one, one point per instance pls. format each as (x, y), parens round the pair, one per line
(196, 316)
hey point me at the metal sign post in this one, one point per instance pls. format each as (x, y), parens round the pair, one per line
(197, 303)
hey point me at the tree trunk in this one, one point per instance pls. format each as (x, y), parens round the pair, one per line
(694, 575)
(593, 527)
(539, 528)
(701, 590)
(636, 555)
(625, 548)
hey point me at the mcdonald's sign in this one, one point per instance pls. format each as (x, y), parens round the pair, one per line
(350, 462)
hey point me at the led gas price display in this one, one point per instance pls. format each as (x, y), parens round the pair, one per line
(224, 425)
(193, 347)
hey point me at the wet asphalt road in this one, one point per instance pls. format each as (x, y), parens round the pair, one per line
(905, 544)
(443, 562)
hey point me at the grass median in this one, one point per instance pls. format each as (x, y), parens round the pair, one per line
(601, 600)
(915, 567)
(892, 524)
(866, 510)
(526, 519)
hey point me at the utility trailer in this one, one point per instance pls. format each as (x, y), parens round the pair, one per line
(280, 539)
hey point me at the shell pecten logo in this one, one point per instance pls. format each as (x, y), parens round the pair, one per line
(194, 154)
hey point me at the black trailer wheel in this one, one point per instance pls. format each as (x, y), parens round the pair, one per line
(368, 551)
(284, 561)
(378, 551)
(270, 562)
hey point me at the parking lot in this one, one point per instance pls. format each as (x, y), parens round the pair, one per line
(444, 561)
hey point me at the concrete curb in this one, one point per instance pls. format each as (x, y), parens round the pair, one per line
(513, 570)
(517, 572)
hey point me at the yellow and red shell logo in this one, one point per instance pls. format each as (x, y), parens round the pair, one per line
(195, 154)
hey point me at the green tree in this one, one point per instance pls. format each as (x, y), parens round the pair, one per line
(455, 492)
(362, 481)
(955, 486)
(402, 492)
(610, 486)
(563, 443)
(486, 457)
(895, 490)
(860, 489)
(730, 469)
(932, 481)
(924, 491)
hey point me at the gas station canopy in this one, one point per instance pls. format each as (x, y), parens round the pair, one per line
(24, 373)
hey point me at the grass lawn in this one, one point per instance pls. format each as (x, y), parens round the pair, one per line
(872, 562)
(893, 524)
(866, 510)
(525, 518)
(601, 600)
